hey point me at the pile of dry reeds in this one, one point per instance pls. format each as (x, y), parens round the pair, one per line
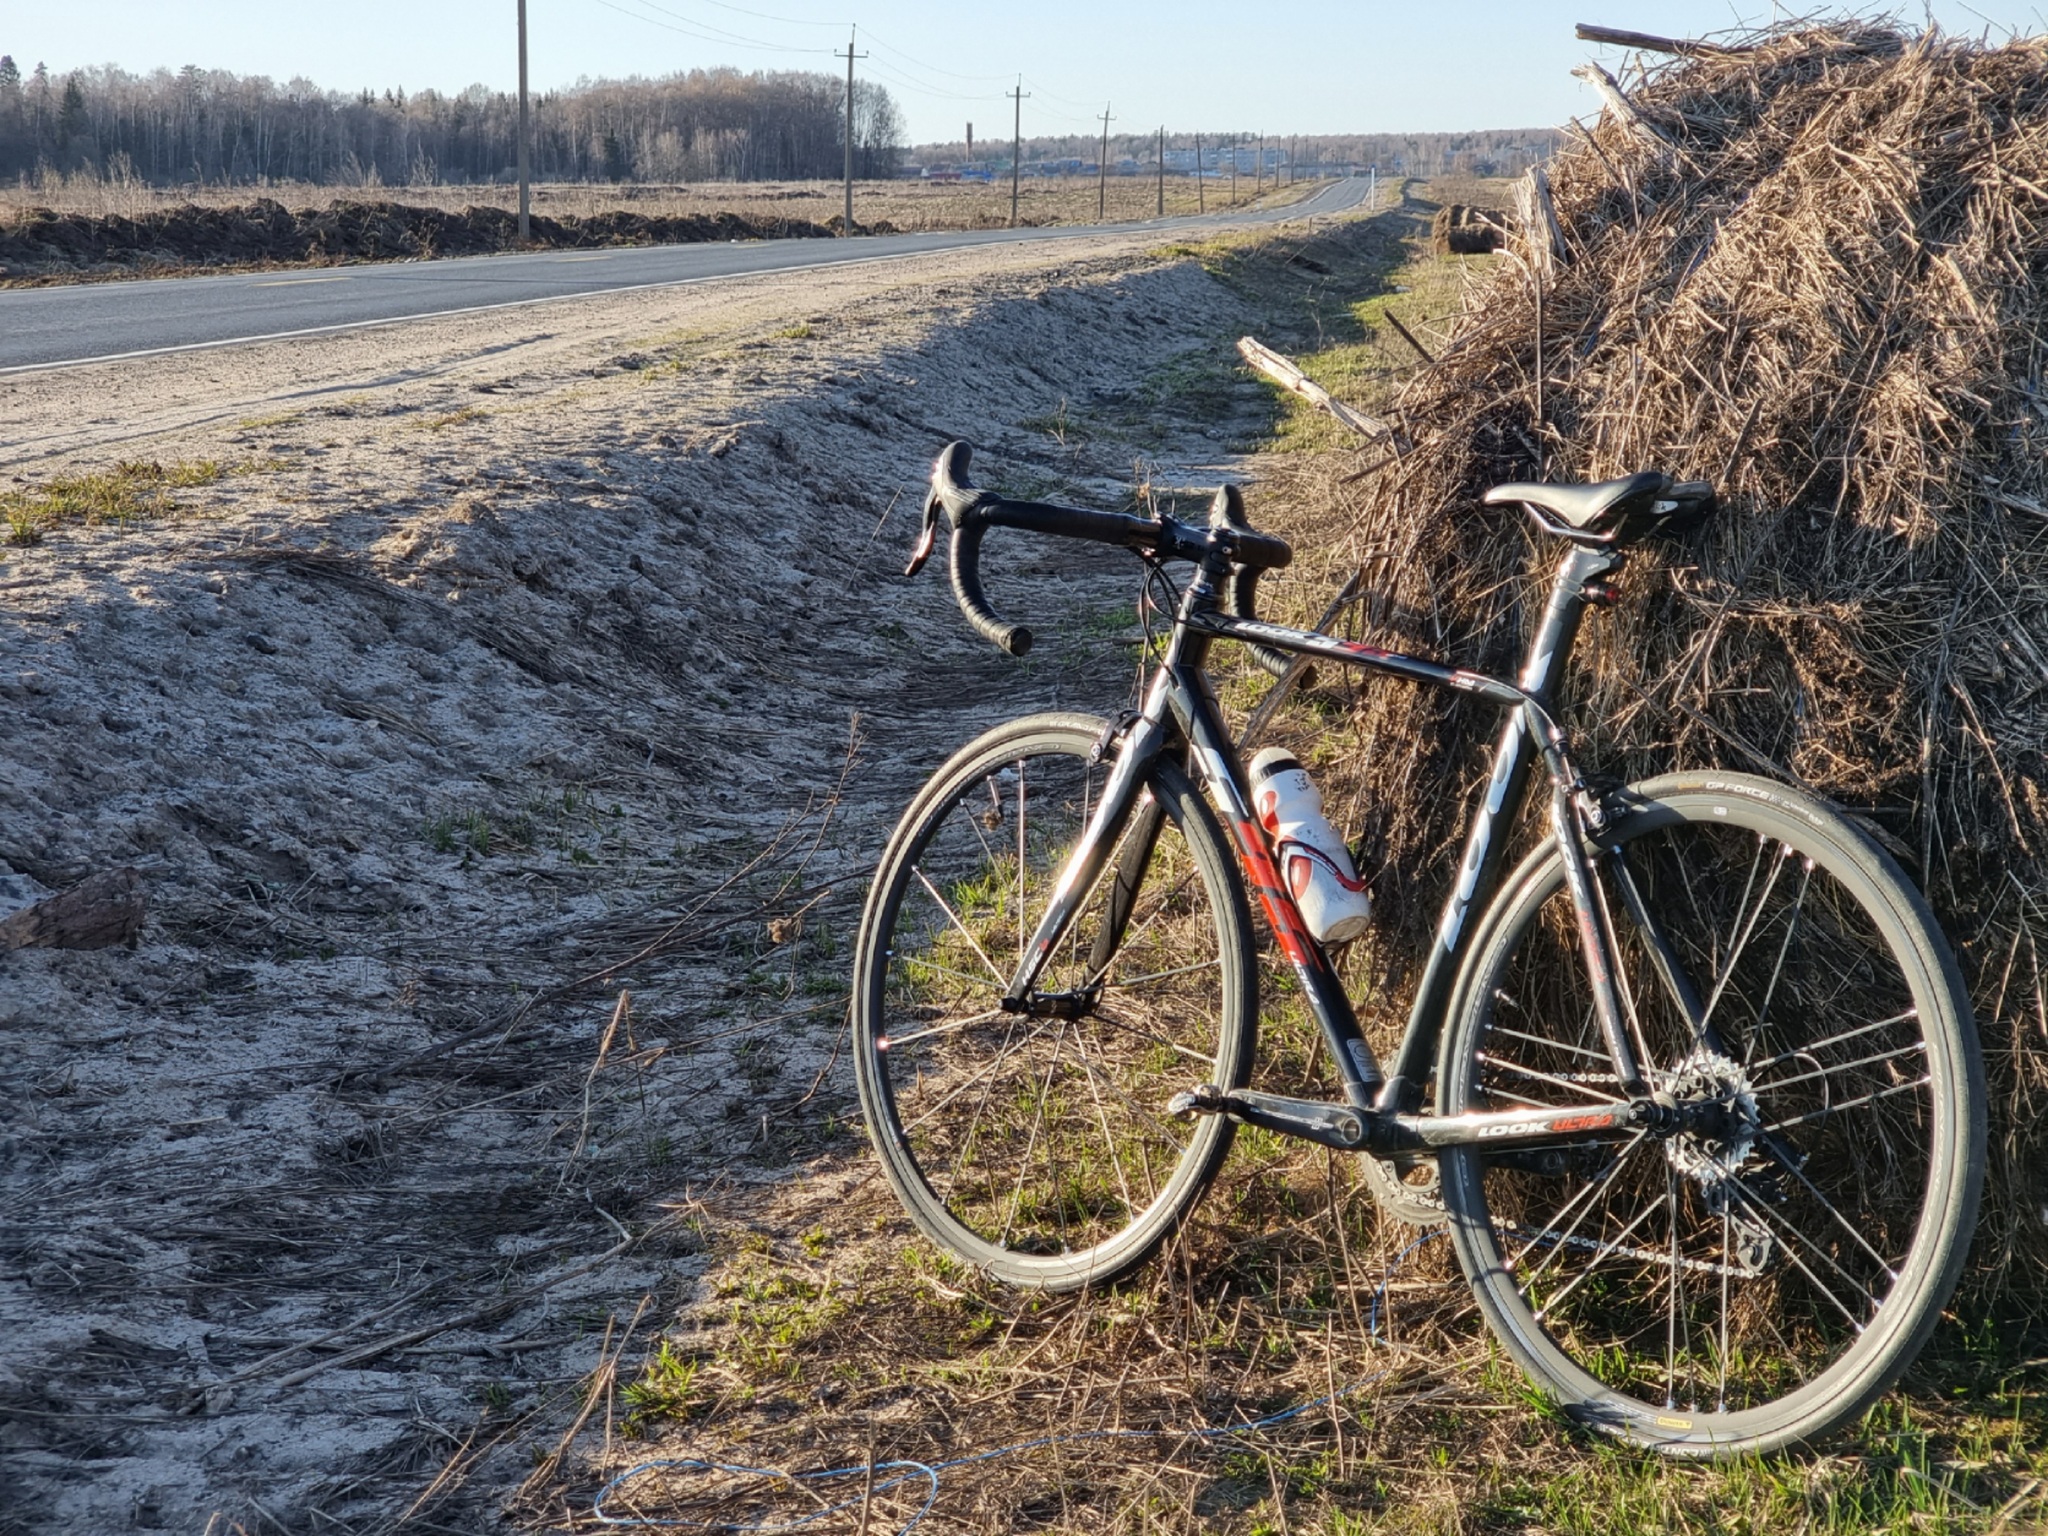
(1812, 269)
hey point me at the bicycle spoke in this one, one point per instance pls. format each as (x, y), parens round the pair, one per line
(1836, 1109)
(1180, 970)
(1762, 1208)
(965, 932)
(950, 1026)
(1008, 1050)
(1108, 1140)
(1556, 1045)
(968, 1140)
(1848, 1034)
(1919, 1046)
(1763, 1007)
(1023, 928)
(1746, 932)
(1132, 935)
(1727, 1262)
(947, 970)
(1037, 1121)
(1855, 1233)
(1674, 1292)
(1610, 1246)
(1598, 1183)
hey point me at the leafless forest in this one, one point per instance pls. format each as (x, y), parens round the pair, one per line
(197, 128)
(212, 127)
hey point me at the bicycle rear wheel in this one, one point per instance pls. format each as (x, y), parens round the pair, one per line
(1758, 1284)
(1039, 1150)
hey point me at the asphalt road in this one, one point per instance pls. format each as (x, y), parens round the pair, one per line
(65, 327)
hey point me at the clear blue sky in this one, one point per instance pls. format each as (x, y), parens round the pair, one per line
(1309, 66)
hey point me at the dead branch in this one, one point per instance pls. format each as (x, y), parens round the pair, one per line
(1290, 378)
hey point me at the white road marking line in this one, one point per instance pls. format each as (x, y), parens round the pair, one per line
(294, 282)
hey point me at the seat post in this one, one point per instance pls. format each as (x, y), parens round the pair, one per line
(1550, 645)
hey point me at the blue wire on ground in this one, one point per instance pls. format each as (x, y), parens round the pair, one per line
(911, 1471)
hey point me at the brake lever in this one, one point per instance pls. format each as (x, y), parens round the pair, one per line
(927, 540)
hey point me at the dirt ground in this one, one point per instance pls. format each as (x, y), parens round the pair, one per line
(501, 715)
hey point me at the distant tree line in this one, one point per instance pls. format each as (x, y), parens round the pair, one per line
(1479, 152)
(210, 126)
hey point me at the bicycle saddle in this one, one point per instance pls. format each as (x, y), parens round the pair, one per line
(1583, 506)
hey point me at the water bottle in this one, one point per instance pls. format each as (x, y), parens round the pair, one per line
(1312, 857)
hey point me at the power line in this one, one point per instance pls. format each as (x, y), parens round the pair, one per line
(723, 33)
(1086, 106)
(930, 69)
(730, 40)
(794, 21)
(910, 83)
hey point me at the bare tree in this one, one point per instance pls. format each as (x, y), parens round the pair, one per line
(214, 126)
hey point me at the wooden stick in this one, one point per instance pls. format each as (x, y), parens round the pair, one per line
(1290, 378)
(1684, 47)
(1420, 350)
(867, 1482)
(98, 913)
(1528, 217)
(1546, 209)
(1619, 104)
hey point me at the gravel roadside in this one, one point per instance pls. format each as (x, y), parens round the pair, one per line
(447, 684)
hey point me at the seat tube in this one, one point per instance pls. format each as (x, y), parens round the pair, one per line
(1486, 844)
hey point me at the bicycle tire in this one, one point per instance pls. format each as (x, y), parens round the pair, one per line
(1066, 1171)
(1806, 1247)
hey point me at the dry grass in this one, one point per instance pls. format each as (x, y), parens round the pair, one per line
(1811, 277)
(131, 490)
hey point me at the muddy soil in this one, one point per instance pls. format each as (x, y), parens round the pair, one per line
(46, 246)
(501, 737)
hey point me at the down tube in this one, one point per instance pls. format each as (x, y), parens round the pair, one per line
(1224, 778)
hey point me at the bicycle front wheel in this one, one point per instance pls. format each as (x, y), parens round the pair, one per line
(1758, 1280)
(1039, 1149)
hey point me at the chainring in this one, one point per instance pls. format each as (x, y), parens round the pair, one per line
(1419, 1204)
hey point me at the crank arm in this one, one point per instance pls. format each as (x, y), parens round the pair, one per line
(1329, 1125)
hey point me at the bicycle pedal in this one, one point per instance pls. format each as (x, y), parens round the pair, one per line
(1205, 1100)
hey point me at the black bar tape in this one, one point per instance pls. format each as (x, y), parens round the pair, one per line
(1241, 590)
(966, 564)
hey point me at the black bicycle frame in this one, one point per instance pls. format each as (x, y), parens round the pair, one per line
(1380, 1108)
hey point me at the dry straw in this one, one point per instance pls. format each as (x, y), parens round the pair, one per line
(1809, 269)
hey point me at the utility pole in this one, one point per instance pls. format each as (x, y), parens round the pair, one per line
(1201, 189)
(1162, 170)
(847, 232)
(970, 143)
(1233, 170)
(1016, 146)
(1102, 169)
(525, 224)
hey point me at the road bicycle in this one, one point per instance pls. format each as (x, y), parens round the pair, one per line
(1695, 1084)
